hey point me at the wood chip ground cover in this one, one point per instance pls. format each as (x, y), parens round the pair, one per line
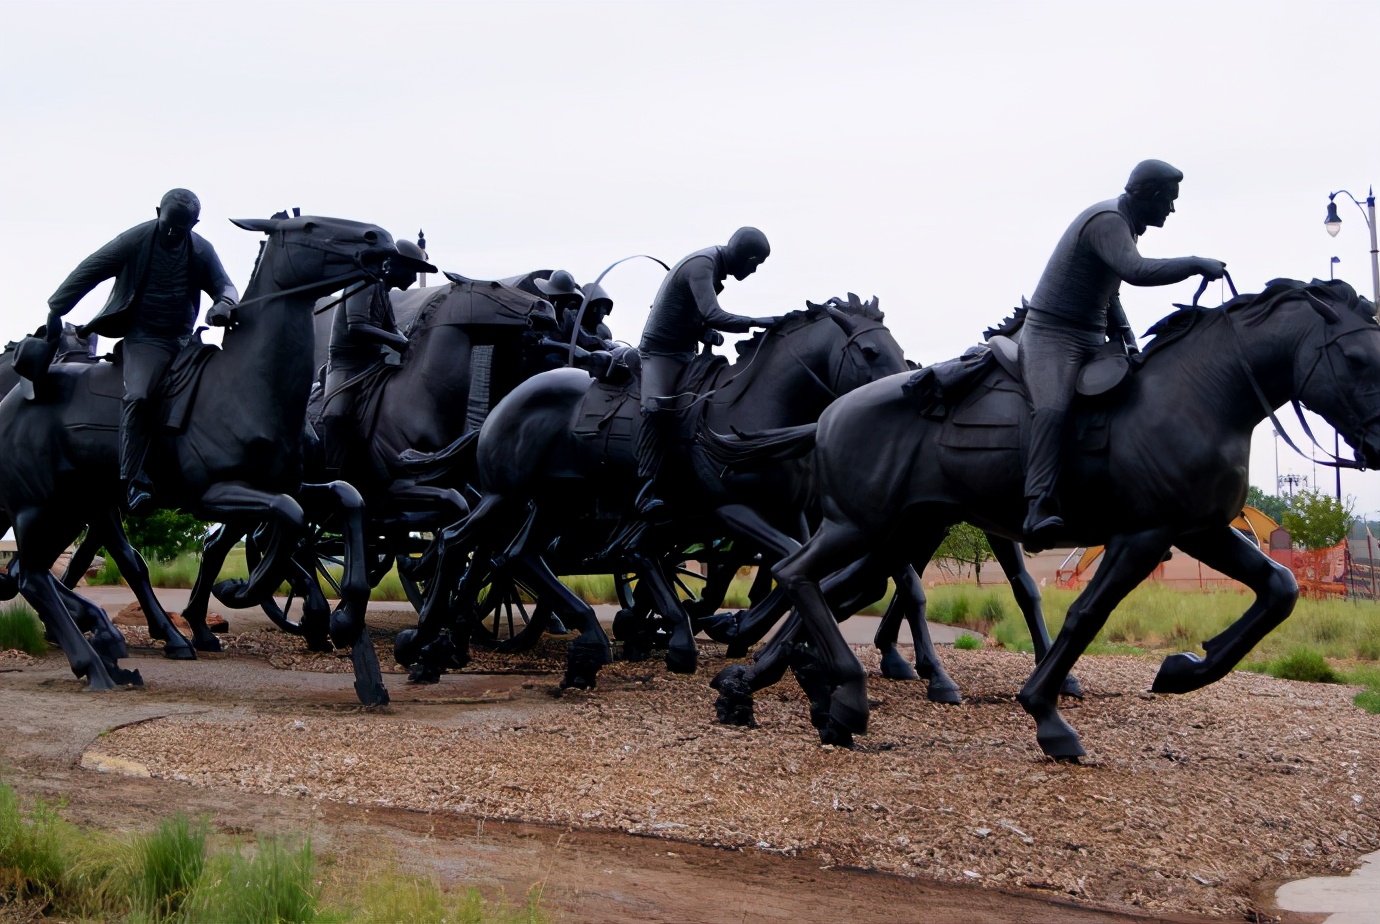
(1186, 804)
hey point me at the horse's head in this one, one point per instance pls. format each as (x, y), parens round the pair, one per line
(835, 346)
(308, 249)
(1337, 363)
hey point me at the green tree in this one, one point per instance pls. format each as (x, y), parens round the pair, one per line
(1271, 505)
(164, 534)
(1316, 520)
(965, 545)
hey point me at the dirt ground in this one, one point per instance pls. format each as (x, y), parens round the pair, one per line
(630, 804)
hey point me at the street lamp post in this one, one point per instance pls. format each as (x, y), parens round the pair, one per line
(1333, 224)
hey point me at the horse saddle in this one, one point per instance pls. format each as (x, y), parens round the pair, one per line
(176, 394)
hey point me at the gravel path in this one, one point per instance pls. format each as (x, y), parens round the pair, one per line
(1198, 804)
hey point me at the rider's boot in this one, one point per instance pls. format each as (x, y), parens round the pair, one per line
(134, 447)
(1043, 523)
(651, 453)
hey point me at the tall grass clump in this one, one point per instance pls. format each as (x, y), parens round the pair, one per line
(33, 852)
(273, 884)
(1301, 663)
(169, 864)
(20, 630)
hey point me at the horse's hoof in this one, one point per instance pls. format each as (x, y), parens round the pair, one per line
(405, 647)
(424, 675)
(231, 593)
(207, 642)
(682, 660)
(1071, 687)
(583, 661)
(734, 704)
(126, 678)
(719, 627)
(835, 734)
(847, 714)
(1058, 739)
(944, 694)
(625, 626)
(1180, 673)
(183, 652)
(344, 630)
(895, 667)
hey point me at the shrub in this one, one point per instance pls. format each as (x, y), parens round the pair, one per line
(20, 630)
(966, 642)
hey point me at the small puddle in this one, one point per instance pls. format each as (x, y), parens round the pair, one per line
(1353, 899)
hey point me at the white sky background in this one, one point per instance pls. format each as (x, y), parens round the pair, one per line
(927, 153)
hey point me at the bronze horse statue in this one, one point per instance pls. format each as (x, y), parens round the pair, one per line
(1172, 449)
(534, 449)
(231, 451)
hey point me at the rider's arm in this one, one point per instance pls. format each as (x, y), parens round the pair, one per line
(104, 264)
(701, 282)
(359, 319)
(214, 281)
(1111, 240)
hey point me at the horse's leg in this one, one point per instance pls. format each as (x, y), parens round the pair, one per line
(1276, 591)
(832, 547)
(81, 560)
(38, 549)
(909, 606)
(588, 651)
(756, 622)
(1128, 560)
(911, 594)
(761, 585)
(1027, 594)
(340, 500)
(214, 549)
(107, 529)
(452, 545)
(681, 654)
(233, 500)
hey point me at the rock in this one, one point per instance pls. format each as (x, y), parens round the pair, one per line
(132, 614)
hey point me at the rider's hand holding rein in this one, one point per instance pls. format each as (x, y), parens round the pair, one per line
(224, 313)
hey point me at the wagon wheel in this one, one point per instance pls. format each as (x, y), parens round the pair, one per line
(508, 616)
(688, 583)
(416, 563)
(309, 566)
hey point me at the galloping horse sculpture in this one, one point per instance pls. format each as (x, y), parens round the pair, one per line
(232, 455)
(1173, 451)
(532, 449)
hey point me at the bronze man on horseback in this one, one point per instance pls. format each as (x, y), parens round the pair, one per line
(361, 331)
(1077, 305)
(159, 267)
(685, 314)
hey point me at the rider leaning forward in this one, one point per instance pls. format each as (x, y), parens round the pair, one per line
(1076, 305)
(160, 268)
(362, 331)
(685, 314)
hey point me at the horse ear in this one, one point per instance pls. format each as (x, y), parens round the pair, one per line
(845, 321)
(265, 225)
(1329, 314)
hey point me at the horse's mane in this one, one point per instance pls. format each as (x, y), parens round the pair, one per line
(812, 312)
(1250, 305)
(1009, 324)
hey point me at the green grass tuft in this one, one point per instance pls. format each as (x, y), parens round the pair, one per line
(170, 862)
(1302, 664)
(1369, 700)
(20, 630)
(967, 642)
(272, 884)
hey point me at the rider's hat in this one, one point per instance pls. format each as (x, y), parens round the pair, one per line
(560, 283)
(412, 256)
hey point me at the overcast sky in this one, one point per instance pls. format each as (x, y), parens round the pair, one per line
(927, 153)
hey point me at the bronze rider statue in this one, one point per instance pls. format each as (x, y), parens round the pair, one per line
(685, 314)
(160, 268)
(1077, 306)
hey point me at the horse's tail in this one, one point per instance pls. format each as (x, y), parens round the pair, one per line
(754, 450)
(429, 466)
